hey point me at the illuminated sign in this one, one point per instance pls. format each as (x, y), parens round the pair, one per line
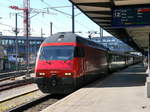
(131, 16)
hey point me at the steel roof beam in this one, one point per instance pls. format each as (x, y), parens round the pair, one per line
(103, 22)
(103, 18)
(100, 4)
(107, 25)
(99, 12)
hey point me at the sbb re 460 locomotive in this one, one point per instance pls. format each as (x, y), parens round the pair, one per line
(67, 61)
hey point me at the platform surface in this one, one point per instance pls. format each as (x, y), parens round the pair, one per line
(124, 91)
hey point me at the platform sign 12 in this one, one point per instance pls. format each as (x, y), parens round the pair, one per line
(131, 16)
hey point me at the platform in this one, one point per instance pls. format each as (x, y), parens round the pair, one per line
(123, 91)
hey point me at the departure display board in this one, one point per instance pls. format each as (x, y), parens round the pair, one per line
(131, 16)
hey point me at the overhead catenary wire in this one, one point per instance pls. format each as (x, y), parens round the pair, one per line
(64, 13)
(52, 19)
(61, 7)
(6, 25)
(69, 16)
(59, 11)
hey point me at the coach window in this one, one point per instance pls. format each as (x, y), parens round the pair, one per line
(6, 41)
(10, 42)
(23, 42)
(30, 42)
(19, 41)
(13, 41)
(3, 42)
(38, 42)
(34, 42)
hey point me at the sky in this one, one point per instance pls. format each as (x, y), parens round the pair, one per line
(61, 22)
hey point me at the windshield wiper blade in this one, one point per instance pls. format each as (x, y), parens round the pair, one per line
(43, 54)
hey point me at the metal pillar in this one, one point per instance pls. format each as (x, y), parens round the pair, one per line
(73, 20)
(149, 57)
(16, 36)
(101, 32)
(51, 28)
(27, 41)
(26, 6)
(41, 32)
(148, 78)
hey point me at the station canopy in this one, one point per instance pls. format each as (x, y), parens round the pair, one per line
(128, 20)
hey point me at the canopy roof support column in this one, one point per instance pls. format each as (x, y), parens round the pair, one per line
(148, 78)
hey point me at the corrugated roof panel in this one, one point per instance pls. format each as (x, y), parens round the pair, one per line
(131, 2)
(98, 15)
(90, 8)
(89, 1)
(99, 20)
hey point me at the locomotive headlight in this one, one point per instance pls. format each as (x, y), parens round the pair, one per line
(41, 73)
(68, 73)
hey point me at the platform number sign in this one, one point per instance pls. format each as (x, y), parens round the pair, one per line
(117, 14)
(131, 16)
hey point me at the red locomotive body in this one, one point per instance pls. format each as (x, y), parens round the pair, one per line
(67, 61)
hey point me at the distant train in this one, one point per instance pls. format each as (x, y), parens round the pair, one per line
(67, 61)
(1, 58)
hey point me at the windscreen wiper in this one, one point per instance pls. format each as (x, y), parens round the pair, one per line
(43, 54)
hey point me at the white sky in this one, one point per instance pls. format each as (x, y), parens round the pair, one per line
(61, 22)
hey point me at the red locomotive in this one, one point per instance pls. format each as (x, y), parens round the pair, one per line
(67, 61)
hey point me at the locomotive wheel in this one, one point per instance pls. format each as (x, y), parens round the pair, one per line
(43, 88)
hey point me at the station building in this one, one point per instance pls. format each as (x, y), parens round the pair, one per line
(9, 43)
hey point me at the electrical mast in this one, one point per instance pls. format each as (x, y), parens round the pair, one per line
(26, 15)
(26, 20)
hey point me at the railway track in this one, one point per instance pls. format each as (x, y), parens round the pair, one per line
(9, 75)
(19, 99)
(10, 85)
(37, 104)
(29, 101)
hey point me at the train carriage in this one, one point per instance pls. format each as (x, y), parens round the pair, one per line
(67, 61)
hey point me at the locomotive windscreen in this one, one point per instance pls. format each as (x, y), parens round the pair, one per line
(56, 53)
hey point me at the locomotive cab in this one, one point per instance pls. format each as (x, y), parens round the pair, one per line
(57, 66)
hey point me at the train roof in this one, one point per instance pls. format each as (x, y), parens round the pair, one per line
(62, 37)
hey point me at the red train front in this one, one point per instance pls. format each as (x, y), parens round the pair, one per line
(55, 67)
(62, 66)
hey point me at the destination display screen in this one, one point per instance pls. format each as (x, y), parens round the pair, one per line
(131, 16)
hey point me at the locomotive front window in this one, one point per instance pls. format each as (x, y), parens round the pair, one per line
(56, 53)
